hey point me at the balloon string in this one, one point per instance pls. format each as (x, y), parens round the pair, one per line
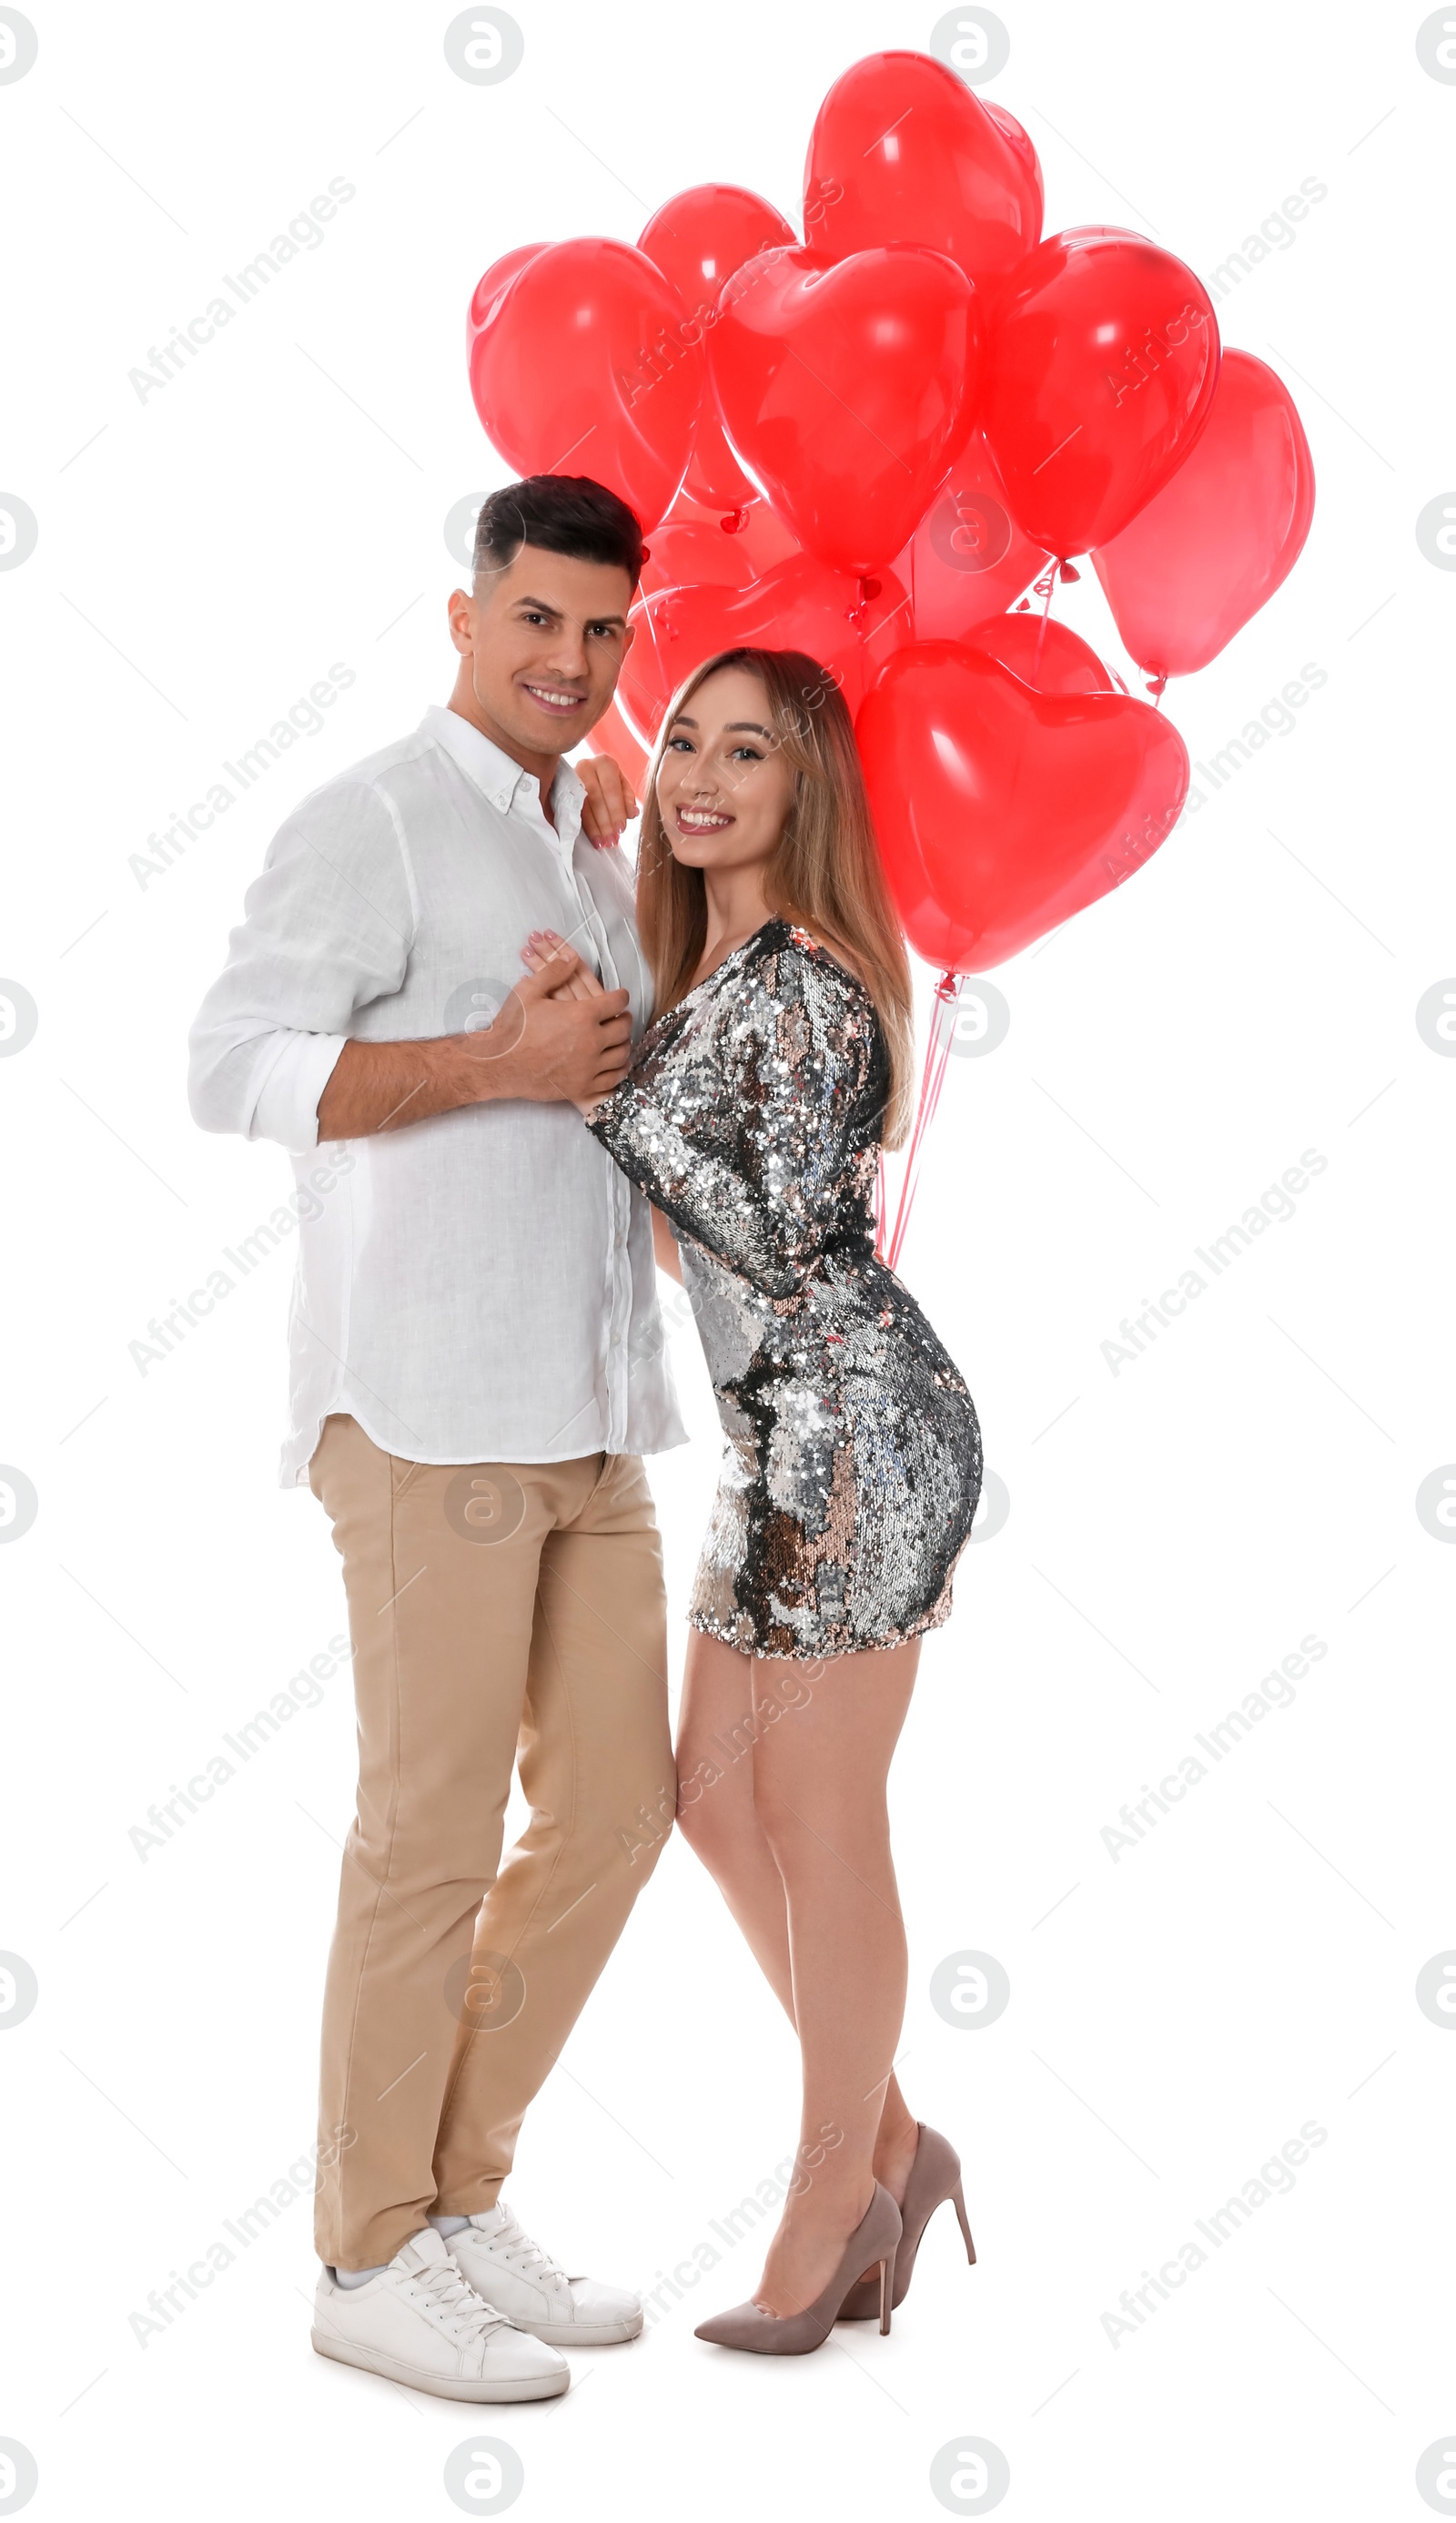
(932, 1080)
(658, 657)
(937, 1052)
(1045, 615)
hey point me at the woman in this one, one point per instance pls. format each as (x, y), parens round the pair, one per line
(776, 1065)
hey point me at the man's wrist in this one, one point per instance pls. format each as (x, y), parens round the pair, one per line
(502, 1072)
(485, 1074)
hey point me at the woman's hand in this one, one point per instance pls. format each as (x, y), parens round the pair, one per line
(609, 804)
(544, 951)
(545, 948)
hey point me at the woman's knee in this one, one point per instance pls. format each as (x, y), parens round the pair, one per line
(699, 1820)
(715, 1814)
(809, 1830)
(779, 1824)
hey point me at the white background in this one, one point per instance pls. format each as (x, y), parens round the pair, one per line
(1174, 1529)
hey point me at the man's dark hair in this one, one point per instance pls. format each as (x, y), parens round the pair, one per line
(559, 512)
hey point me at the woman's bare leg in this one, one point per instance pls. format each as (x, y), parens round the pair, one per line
(802, 1853)
(718, 1816)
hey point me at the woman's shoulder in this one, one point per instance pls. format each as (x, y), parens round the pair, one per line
(790, 941)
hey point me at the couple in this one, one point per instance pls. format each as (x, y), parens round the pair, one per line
(439, 965)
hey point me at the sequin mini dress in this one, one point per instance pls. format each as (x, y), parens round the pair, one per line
(751, 1117)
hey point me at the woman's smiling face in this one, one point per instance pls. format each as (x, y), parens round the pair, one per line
(724, 787)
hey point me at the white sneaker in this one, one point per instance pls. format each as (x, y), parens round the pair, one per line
(422, 2322)
(523, 2282)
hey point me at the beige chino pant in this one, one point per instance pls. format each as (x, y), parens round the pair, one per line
(500, 1612)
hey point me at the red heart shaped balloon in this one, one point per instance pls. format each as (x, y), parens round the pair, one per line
(568, 374)
(1101, 361)
(967, 558)
(689, 549)
(1043, 653)
(698, 240)
(903, 152)
(1000, 810)
(846, 390)
(493, 284)
(1025, 149)
(797, 605)
(1213, 545)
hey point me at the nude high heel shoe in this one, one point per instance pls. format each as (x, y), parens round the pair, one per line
(934, 2177)
(769, 2334)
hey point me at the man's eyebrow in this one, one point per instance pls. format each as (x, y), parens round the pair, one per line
(539, 605)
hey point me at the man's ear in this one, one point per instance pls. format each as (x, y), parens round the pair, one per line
(463, 610)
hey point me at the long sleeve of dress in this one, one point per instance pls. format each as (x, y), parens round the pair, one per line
(741, 1128)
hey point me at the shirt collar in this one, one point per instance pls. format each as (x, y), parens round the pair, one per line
(499, 777)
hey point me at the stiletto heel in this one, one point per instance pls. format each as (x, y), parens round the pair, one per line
(959, 2204)
(876, 2238)
(934, 2177)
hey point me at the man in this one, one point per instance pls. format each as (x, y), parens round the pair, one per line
(477, 1369)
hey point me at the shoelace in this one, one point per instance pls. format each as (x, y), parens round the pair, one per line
(455, 2300)
(514, 2244)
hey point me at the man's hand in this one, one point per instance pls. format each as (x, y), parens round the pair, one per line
(609, 804)
(546, 1046)
(576, 1037)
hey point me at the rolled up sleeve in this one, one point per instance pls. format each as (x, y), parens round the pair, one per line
(327, 928)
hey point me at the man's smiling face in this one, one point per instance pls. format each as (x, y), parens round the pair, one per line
(542, 643)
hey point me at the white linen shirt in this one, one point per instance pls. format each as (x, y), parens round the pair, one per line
(480, 1286)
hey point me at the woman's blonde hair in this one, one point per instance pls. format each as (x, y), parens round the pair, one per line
(825, 875)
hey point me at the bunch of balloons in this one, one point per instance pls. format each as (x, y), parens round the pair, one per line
(870, 444)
